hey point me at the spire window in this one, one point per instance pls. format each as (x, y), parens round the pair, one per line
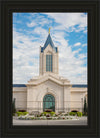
(49, 63)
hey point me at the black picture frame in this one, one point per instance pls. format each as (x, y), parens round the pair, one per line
(93, 127)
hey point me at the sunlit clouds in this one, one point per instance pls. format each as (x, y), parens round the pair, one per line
(68, 32)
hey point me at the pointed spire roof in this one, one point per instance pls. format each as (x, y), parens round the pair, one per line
(49, 42)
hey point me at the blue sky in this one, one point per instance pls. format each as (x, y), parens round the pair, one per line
(68, 32)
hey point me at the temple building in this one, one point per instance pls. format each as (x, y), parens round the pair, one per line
(49, 91)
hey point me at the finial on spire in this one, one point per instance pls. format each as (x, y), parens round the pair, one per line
(49, 30)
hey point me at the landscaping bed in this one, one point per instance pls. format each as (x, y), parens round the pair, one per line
(48, 116)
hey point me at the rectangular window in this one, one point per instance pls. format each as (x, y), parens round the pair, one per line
(49, 63)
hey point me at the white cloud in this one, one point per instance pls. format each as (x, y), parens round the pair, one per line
(68, 21)
(40, 31)
(39, 21)
(25, 58)
(28, 52)
(26, 48)
(31, 24)
(82, 56)
(77, 44)
(76, 51)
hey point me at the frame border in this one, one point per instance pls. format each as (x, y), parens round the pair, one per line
(92, 8)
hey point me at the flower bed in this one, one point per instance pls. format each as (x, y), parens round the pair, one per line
(49, 116)
(32, 117)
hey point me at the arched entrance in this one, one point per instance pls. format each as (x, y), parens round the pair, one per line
(49, 102)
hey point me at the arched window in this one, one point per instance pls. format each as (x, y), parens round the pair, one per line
(49, 102)
(49, 62)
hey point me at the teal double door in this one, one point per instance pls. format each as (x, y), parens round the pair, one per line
(49, 102)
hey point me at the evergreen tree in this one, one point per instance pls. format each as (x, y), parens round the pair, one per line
(85, 106)
(13, 106)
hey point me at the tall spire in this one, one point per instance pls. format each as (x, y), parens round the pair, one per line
(49, 30)
(49, 42)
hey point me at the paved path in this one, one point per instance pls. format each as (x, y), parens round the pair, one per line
(81, 121)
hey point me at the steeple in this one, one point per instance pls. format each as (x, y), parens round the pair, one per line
(49, 30)
(49, 57)
(49, 42)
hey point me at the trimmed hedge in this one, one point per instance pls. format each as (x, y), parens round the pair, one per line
(45, 113)
(21, 113)
(52, 113)
(76, 113)
(79, 114)
(25, 113)
(72, 113)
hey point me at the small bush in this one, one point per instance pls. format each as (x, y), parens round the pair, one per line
(25, 113)
(21, 113)
(72, 113)
(45, 113)
(52, 113)
(79, 114)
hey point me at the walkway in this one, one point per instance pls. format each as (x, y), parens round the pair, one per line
(81, 121)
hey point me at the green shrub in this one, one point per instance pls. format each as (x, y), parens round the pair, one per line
(21, 113)
(25, 113)
(45, 113)
(52, 113)
(72, 113)
(79, 114)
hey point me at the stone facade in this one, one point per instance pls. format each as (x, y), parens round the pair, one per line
(49, 51)
(67, 97)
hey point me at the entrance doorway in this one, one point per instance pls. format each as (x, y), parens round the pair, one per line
(49, 102)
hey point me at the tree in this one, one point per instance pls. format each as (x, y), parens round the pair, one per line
(85, 106)
(13, 106)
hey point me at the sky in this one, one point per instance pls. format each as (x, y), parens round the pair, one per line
(68, 32)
